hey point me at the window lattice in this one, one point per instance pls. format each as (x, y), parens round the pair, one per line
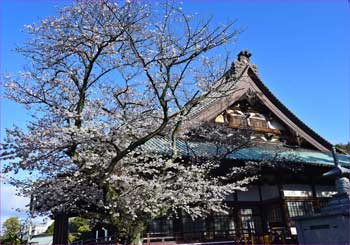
(300, 208)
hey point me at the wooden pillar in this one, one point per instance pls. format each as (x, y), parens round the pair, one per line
(178, 228)
(60, 233)
(315, 200)
(209, 223)
(284, 207)
(263, 214)
(238, 222)
(235, 213)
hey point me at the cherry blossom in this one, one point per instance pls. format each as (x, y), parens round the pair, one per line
(103, 78)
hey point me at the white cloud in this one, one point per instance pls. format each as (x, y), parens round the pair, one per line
(10, 202)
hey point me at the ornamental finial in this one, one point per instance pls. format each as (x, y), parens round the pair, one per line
(244, 56)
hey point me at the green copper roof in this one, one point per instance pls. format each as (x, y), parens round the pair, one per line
(185, 148)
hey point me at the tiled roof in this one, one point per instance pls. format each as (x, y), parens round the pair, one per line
(258, 153)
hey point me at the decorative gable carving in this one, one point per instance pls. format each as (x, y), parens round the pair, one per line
(244, 115)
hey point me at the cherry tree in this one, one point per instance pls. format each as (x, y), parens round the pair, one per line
(103, 80)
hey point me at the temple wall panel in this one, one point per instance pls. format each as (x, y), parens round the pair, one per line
(269, 192)
(251, 195)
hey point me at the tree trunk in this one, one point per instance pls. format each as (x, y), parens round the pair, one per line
(137, 233)
(60, 233)
(137, 239)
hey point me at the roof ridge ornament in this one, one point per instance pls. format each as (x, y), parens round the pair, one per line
(239, 65)
(244, 56)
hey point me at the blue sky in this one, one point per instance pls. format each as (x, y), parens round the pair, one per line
(302, 50)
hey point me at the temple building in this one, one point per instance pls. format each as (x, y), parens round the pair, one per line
(264, 213)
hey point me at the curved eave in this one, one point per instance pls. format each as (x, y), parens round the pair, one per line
(286, 111)
(162, 145)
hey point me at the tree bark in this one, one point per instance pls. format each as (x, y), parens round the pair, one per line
(137, 233)
(60, 234)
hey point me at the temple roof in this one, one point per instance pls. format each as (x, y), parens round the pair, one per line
(162, 145)
(243, 79)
